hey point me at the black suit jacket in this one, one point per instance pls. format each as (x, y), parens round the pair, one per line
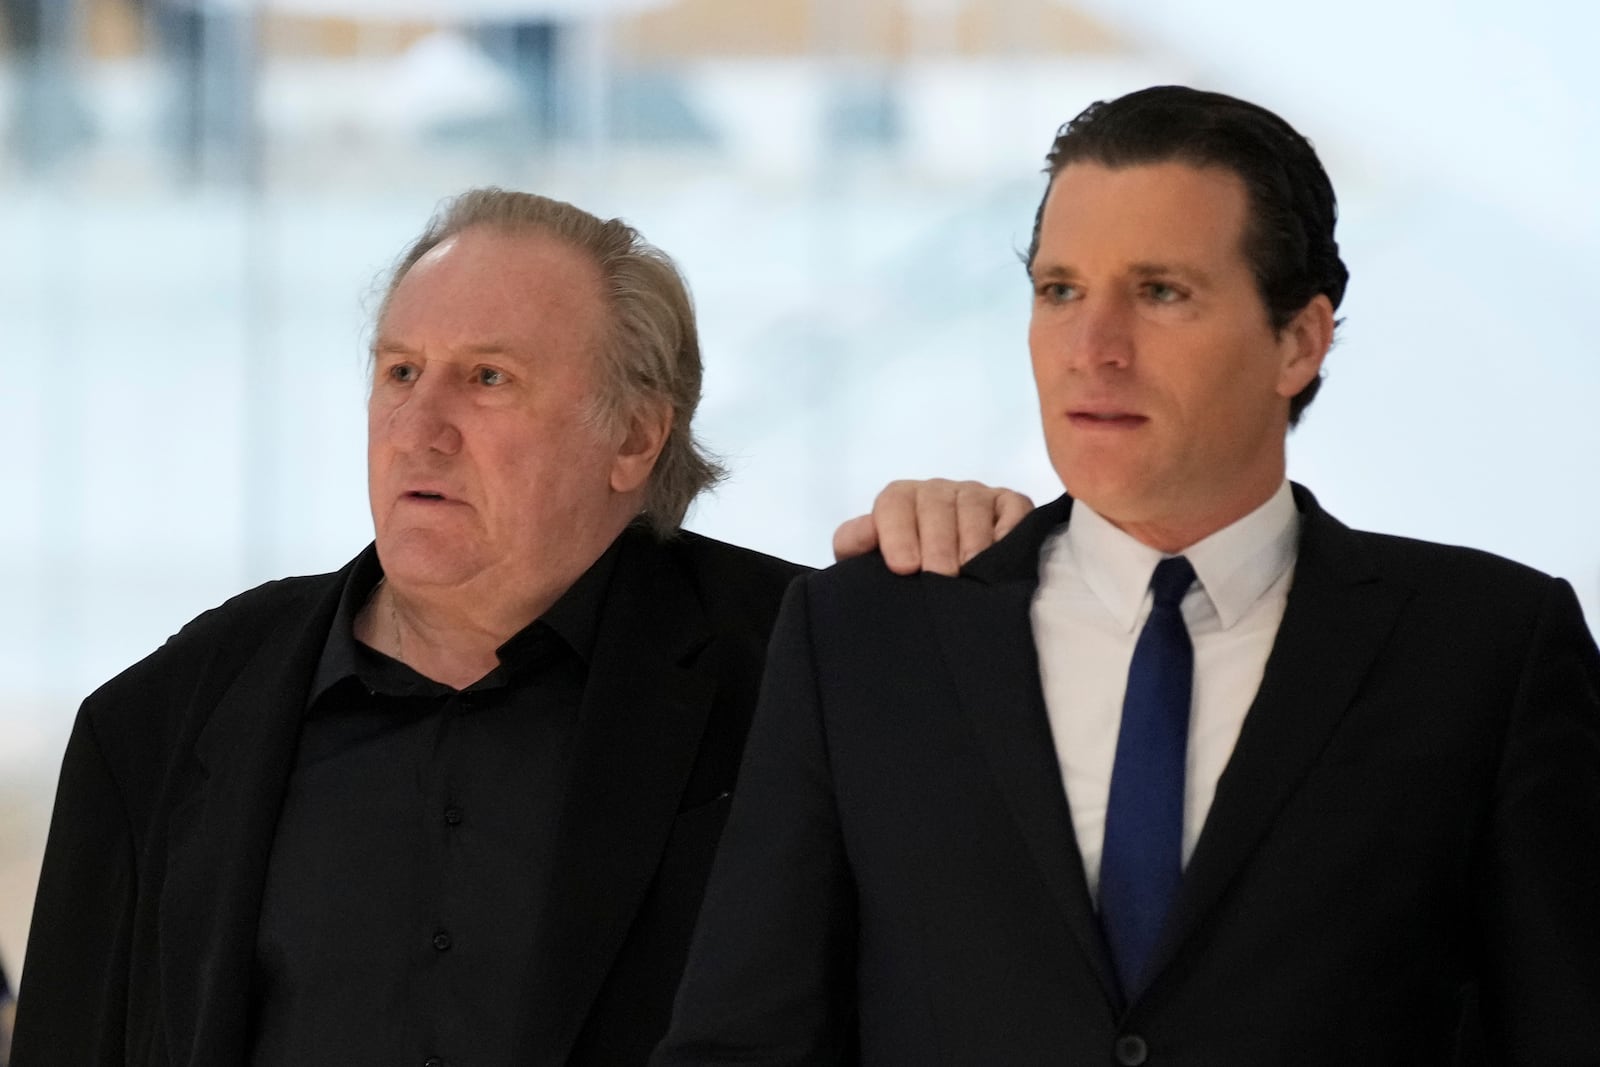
(1412, 810)
(144, 929)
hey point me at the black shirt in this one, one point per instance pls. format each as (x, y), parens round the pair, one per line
(411, 857)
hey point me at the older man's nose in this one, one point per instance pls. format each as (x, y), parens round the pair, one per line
(425, 421)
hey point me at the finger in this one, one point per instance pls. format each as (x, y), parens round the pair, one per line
(895, 514)
(855, 537)
(1011, 508)
(975, 516)
(938, 526)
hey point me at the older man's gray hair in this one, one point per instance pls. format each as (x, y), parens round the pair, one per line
(653, 350)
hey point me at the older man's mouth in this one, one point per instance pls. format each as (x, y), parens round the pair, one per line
(427, 496)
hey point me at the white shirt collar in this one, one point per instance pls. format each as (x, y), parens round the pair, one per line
(1235, 565)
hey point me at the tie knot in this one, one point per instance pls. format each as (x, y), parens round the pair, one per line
(1173, 577)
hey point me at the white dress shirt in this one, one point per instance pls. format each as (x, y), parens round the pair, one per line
(1092, 601)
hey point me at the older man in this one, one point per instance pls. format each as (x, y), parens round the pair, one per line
(454, 804)
(1183, 771)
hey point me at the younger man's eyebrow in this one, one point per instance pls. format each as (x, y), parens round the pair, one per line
(1169, 270)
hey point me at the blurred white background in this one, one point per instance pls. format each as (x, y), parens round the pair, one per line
(197, 201)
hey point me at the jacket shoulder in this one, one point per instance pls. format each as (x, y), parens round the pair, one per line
(1441, 573)
(230, 631)
(1456, 572)
(731, 580)
(150, 702)
(1484, 608)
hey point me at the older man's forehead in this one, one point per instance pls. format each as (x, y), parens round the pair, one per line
(484, 292)
(506, 254)
(481, 267)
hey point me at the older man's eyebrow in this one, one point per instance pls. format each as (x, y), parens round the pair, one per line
(392, 347)
(389, 346)
(488, 348)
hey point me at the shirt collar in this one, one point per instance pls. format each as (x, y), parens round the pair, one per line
(574, 619)
(1236, 565)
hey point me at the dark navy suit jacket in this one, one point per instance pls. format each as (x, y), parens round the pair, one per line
(1410, 819)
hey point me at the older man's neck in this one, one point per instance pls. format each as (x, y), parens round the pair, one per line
(451, 636)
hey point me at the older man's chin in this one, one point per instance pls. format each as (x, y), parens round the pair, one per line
(422, 557)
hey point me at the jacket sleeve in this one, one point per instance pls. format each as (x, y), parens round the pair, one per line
(770, 978)
(72, 999)
(1539, 884)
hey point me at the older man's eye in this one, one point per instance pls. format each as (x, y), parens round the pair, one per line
(402, 372)
(490, 376)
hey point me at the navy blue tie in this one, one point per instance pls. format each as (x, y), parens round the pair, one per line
(1141, 865)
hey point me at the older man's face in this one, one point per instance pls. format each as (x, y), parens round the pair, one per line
(485, 470)
(1162, 386)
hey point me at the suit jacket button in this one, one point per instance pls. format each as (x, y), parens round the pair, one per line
(433, 1061)
(1131, 1050)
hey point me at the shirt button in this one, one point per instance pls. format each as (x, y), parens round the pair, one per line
(1131, 1050)
(452, 816)
(441, 941)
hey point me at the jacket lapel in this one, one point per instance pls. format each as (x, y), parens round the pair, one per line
(987, 638)
(1338, 617)
(650, 688)
(220, 838)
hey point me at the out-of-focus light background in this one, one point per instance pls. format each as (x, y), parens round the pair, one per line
(198, 196)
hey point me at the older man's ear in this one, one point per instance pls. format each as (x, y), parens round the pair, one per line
(641, 445)
(935, 525)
